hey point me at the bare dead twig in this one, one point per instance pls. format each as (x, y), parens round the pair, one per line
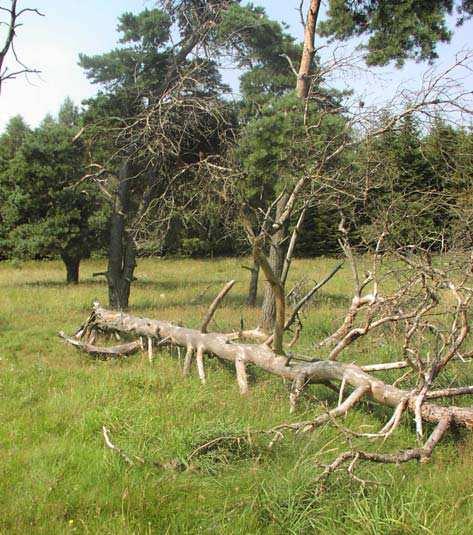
(14, 14)
(119, 451)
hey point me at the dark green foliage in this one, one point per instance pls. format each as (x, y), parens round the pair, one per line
(140, 61)
(46, 210)
(403, 195)
(397, 30)
(150, 29)
(426, 176)
(262, 48)
(276, 149)
(273, 148)
(169, 144)
(449, 152)
(127, 75)
(10, 143)
(69, 114)
(319, 234)
(420, 182)
(140, 66)
(12, 139)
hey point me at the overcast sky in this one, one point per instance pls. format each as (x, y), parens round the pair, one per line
(52, 44)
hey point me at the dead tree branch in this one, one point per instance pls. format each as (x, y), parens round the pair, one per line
(13, 23)
(114, 351)
(213, 307)
(227, 348)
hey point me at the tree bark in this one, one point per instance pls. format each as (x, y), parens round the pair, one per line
(97, 351)
(72, 268)
(276, 258)
(303, 79)
(122, 251)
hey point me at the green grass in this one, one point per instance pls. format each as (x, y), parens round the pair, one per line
(56, 475)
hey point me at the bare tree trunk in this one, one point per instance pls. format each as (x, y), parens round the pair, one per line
(253, 287)
(72, 268)
(122, 251)
(277, 254)
(303, 79)
(278, 242)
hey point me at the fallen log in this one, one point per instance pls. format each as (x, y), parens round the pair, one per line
(229, 348)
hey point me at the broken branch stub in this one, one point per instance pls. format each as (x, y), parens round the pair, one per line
(215, 304)
(112, 351)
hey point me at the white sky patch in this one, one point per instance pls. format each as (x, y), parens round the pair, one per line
(52, 45)
(36, 95)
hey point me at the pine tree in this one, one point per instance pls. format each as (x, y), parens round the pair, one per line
(397, 30)
(46, 211)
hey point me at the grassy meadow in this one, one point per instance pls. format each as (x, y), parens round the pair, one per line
(57, 476)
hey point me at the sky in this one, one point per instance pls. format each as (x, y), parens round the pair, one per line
(52, 44)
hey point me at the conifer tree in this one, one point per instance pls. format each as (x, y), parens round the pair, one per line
(46, 210)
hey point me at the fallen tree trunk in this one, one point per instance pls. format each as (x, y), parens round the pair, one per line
(229, 347)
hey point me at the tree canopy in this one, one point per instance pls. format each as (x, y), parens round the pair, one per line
(397, 31)
(46, 210)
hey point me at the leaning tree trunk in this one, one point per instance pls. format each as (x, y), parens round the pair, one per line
(72, 268)
(122, 251)
(276, 261)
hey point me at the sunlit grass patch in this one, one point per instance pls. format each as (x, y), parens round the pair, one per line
(56, 475)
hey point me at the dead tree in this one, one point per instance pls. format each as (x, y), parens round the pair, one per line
(13, 15)
(278, 253)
